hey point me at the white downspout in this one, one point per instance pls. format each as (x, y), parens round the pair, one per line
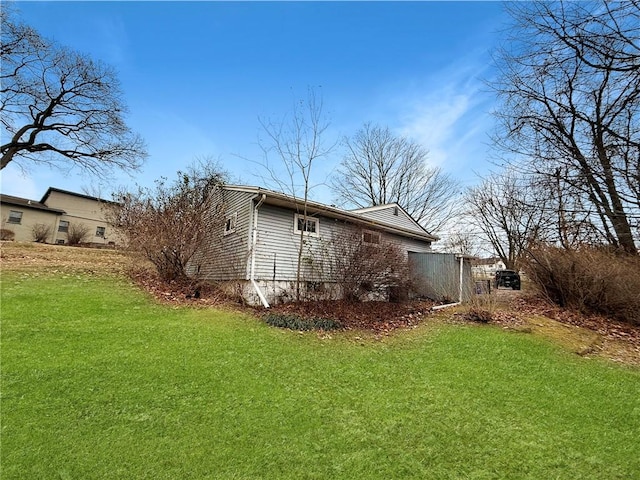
(461, 271)
(254, 243)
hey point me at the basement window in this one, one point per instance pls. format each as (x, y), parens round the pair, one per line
(310, 227)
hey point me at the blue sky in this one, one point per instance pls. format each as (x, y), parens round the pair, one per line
(197, 76)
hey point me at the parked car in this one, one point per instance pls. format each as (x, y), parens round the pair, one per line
(508, 278)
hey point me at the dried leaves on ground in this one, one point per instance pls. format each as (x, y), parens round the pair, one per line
(596, 335)
(378, 317)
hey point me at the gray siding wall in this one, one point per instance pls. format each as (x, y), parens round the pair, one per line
(228, 257)
(386, 215)
(277, 247)
(409, 244)
(225, 257)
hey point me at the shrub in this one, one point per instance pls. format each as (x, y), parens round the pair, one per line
(295, 322)
(588, 279)
(41, 232)
(367, 270)
(77, 233)
(171, 223)
(6, 234)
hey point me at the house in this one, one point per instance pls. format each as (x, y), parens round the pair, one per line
(487, 267)
(53, 216)
(254, 251)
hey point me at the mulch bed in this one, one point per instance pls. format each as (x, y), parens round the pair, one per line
(378, 317)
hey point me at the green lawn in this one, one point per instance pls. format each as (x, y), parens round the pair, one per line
(100, 382)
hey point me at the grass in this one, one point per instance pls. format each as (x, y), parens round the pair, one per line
(99, 382)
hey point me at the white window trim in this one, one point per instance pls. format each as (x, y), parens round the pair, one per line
(234, 221)
(297, 231)
(372, 233)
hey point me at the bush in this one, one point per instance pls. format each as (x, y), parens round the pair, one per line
(588, 279)
(295, 322)
(77, 233)
(6, 234)
(41, 232)
(366, 271)
(171, 223)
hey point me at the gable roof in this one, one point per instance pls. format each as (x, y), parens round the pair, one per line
(271, 197)
(50, 190)
(390, 213)
(27, 203)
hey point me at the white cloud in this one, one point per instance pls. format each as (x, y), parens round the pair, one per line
(434, 122)
(15, 182)
(449, 115)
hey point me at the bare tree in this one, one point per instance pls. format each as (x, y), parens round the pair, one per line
(507, 214)
(380, 168)
(58, 105)
(463, 242)
(168, 224)
(297, 141)
(570, 104)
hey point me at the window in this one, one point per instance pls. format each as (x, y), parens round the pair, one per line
(370, 237)
(311, 227)
(100, 232)
(60, 241)
(63, 226)
(230, 223)
(14, 217)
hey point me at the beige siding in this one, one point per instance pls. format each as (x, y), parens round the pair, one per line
(84, 211)
(30, 218)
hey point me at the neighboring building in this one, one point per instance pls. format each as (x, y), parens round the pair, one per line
(256, 248)
(487, 267)
(55, 213)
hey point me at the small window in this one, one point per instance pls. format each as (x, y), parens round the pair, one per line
(230, 223)
(310, 227)
(14, 217)
(60, 241)
(63, 226)
(370, 237)
(100, 232)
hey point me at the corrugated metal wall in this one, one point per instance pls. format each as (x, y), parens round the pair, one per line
(437, 276)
